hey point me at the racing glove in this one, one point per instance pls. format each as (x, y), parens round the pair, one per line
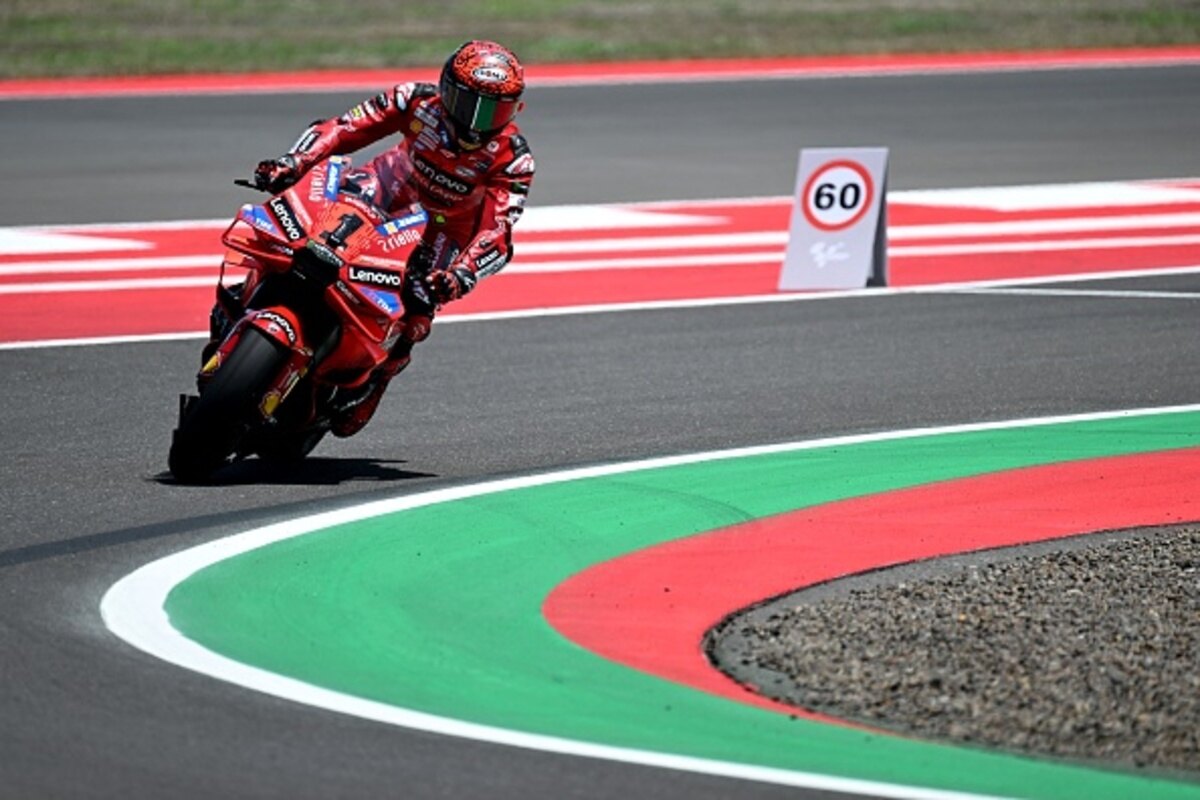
(450, 284)
(276, 174)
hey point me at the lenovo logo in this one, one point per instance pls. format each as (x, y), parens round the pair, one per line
(287, 218)
(436, 176)
(376, 277)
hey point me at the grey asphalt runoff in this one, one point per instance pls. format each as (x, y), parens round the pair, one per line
(85, 430)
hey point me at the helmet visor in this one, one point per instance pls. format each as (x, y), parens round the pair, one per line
(477, 112)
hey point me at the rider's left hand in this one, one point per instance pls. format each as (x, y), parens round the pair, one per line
(276, 174)
(450, 284)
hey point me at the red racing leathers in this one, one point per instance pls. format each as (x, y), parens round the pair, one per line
(473, 196)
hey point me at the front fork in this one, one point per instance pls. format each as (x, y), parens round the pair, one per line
(280, 325)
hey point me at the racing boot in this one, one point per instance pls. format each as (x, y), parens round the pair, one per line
(353, 417)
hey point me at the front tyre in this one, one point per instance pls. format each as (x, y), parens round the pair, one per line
(213, 425)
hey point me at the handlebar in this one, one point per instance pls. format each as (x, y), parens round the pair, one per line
(248, 184)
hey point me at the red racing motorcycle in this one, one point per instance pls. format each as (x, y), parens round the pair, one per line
(319, 310)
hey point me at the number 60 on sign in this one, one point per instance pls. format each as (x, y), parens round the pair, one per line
(837, 238)
(838, 195)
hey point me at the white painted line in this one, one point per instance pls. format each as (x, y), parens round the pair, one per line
(96, 341)
(712, 260)
(593, 265)
(1055, 196)
(801, 297)
(672, 305)
(216, 226)
(1077, 277)
(616, 216)
(684, 242)
(1110, 293)
(970, 197)
(121, 284)
(536, 219)
(92, 265)
(707, 241)
(670, 213)
(956, 230)
(709, 260)
(1032, 227)
(32, 241)
(134, 610)
(1045, 246)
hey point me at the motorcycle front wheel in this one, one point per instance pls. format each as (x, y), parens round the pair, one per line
(214, 424)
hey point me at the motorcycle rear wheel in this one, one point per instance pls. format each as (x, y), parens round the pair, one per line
(213, 426)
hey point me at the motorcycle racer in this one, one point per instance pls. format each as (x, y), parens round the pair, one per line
(461, 157)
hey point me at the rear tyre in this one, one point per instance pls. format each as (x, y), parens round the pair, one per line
(212, 427)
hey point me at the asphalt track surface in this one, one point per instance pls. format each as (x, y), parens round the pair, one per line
(85, 429)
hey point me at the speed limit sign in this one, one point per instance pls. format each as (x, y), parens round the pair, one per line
(838, 195)
(838, 236)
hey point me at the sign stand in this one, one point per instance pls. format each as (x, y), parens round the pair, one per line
(838, 233)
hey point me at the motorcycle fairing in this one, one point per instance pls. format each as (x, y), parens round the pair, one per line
(329, 240)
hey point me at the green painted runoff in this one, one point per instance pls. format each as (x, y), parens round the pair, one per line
(437, 608)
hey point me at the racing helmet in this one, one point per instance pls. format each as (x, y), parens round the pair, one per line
(480, 89)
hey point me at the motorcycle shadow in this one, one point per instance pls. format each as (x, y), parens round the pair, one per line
(308, 472)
